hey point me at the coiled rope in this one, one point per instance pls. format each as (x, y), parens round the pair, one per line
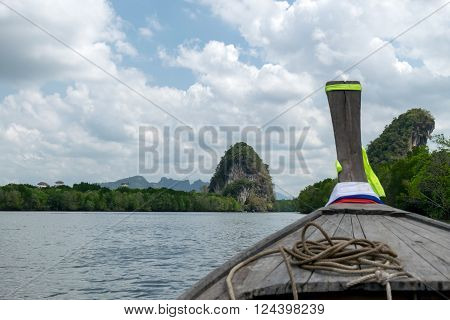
(374, 260)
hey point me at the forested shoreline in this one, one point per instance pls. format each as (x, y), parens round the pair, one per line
(92, 197)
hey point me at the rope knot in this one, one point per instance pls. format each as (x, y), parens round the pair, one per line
(383, 276)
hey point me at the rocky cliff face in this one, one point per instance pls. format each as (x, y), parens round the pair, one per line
(242, 175)
(411, 129)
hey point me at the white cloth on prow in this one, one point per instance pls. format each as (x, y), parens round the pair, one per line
(345, 189)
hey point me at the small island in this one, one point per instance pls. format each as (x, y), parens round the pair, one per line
(242, 175)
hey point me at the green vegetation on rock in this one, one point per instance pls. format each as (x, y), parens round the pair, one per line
(242, 175)
(411, 129)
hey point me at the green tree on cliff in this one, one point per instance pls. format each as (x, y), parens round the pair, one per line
(242, 175)
(411, 129)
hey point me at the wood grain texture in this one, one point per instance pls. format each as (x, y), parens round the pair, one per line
(427, 276)
(216, 275)
(436, 235)
(345, 108)
(358, 231)
(437, 255)
(422, 247)
(277, 282)
(437, 230)
(323, 281)
(263, 270)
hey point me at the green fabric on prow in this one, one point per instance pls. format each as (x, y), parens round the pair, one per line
(343, 87)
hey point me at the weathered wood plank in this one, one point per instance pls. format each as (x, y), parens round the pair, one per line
(322, 281)
(436, 233)
(255, 271)
(252, 275)
(427, 277)
(326, 280)
(214, 292)
(213, 277)
(345, 109)
(358, 232)
(345, 228)
(278, 282)
(303, 277)
(428, 221)
(441, 239)
(330, 228)
(436, 255)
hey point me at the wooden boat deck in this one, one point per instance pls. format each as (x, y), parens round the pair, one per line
(422, 244)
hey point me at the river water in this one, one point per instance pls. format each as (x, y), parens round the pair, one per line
(99, 255)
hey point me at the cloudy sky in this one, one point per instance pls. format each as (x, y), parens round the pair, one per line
(204, 63)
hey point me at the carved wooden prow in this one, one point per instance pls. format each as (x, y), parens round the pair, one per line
(344, 99)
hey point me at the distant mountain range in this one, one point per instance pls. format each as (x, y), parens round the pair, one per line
(139, 182)
(282, 196)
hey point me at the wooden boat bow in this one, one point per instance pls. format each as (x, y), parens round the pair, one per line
(422, 244)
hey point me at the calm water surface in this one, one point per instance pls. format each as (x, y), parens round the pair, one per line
(45, 255)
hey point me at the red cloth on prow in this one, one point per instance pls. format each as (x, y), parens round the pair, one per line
(353, 200)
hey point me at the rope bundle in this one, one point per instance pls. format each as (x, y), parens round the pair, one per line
(374, 260)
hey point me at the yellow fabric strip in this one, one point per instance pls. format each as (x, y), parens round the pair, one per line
(371, 176)
(338, 166)
(343, 86)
